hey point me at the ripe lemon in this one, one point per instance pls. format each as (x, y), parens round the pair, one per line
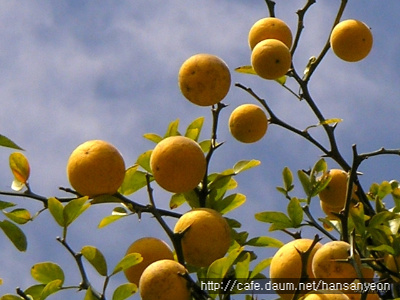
(96, 167)
(248, 123)
(325, 263)
(178, 164)
(204, 79)
(206, 236)
(151, 249)
(334, 194)
(162, 280)
(271, 59)
(351, 40)
(286, 263)
(326, 295)
(270, 28)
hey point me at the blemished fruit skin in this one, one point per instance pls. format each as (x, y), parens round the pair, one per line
(271, 59)
(286, 263)
(206, 236)
(96, 168)
(326, 295)
(270, 28)
(248, 123)
(152, 249)
(351, 40)
(178, 164)
(163, 280)
(204, 79)
(325, 263)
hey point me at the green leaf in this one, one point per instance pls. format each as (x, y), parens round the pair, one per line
(127, 262)
(281, 80)
(243, 267)
(382, 248)
(325, 122)
(220, 267)
(15, 234)
(245, 165)
(35, 290)
(143, 160)
(19, 215)
(246, 70)
(105, 199)
(385, 188)
(5, 204)
(278, 219)
(176, 201)
(172, 129)
(124, 291)
(96, 259)
(51, 288)
(230, 203)
(287, 179)
(74, 209)
(153, 137)
(295, 212)
(260, 267)
(134, 180)
(56, 209)
(20, 168)
(194, 129)
(109, 219)
(10, 297)
(305, 182)
(205, 145)
(6, 142)
(46, 272)
(89, 295)
(264, 241)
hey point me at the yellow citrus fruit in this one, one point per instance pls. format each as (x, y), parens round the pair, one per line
(351, 40)
(329, 210)
(178, 164)
(334, 194)
(286, 264)
(357, 296)
(151, 249)
(206, 236)
(96, 167)
(326, 295)
(271, 59)
(163, 280)
(393, 264)
(248, 123)
(204, 79)
(328, 263)
(270, 28)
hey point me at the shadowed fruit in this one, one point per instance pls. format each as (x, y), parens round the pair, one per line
(163, 280)
(248, 123)
(334, 194)
(206, 236)
(286, 263)
(351, 40)
(326, 295)
(270, 28)
(151, 249)
(271, 59)
(178, 164)
(330, 263)
(204, 79)
(95, 168)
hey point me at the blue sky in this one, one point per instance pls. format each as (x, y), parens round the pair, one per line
(78, 70)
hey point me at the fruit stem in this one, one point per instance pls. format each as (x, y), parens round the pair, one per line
(271, 7)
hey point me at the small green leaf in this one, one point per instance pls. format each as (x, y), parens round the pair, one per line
(46, 272)
(246, 70)
(5, 204)
(287, 179)
(56, 209)
(152, 137)
(295, 212)
(10, 297)
(95, 258)
(305, 182)
(124, 291)
(245, 165)
(194, 129)
(205, 145)
(220, 267)
(230, 203)
(74, 209)
(143, 160)
(278, 219)
(89, 295)
(382, 248)
(51, 288)
(281, 80)
(134, 180)
(264, 241)
(172, 129)
(6, 142)
(385, 188)
(127, 262)
(243, 267)
(176, 200)
(109, 219)
(15, 234)
(260, 267)
(105, 199)
(19, 166)
(19, 215)
(35, 290)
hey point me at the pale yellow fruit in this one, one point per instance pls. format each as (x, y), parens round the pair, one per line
(326, 295)
(351, 40)
(204, 79)
(248, 123)
(329, 263)
(271, 59)
(178, 164)
(286, 263)
(206, 236)
(270, 28)
(95, 168)
(163, 280)
(151, 249)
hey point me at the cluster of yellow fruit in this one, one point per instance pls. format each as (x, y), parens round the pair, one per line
(327, 262)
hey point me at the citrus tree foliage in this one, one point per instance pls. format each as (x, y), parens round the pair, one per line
(369, 226)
